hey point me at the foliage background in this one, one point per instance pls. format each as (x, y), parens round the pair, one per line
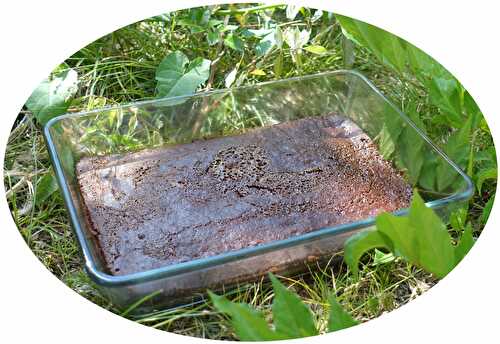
(121, 67)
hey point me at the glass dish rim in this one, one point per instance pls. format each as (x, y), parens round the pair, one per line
(105, 279)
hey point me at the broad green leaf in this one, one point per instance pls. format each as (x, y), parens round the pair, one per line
(339, 319)
(212, 37)
(482, 176)
(444, 90)
(266, 44)
(316, 49)
(447, 94)
(465, 244)
(389, 134)
(197, 19)
(234, 42)
(249, 324)
(472, 109)
(428, 173)
(457, 148)
(387, 47)
(359, 244)
(421, 238)
(51, 97)
(410, 146)
(170, 71)
(176, 76)
(458, 218)
(433, 240)
(400, 233)
(290, 315)
(45, 187)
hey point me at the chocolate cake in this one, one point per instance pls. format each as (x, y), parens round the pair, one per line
(173, 204)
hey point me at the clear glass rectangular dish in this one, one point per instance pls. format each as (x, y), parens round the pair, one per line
(171, 121)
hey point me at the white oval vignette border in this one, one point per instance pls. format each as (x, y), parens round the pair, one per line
(463, 307)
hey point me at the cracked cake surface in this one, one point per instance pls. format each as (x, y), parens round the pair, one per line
(173, 204)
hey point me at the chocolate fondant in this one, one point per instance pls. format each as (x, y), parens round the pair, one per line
(177, 203)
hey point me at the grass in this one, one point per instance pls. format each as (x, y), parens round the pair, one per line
(120, 68)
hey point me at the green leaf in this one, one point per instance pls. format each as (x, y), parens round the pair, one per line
(51, 97)
(421, 238)
(482, 176)
(457, 148)
(359, 244)
(428, 173)
(400, 233)
(458, 218)
(465, 244)
(433, 240)
(197, 19)
(249, 324)
(389, 134)
(176, 76)
(387, 47)
(472, 109)
(234, 42)
(381, 258)
(45, 187)
(170, 71)
(266, 44)
(291, 316)
(411, 147)
(212, 37)
(487, 210)
(316, 49)
(445, 91)
(339, 319)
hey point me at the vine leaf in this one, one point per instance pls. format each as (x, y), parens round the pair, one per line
(177, 76)
(52, 97)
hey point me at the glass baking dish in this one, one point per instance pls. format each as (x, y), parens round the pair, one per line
(169, 121)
